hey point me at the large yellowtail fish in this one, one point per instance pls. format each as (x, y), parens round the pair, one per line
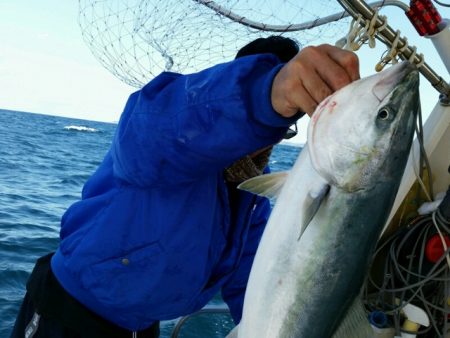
(331, 208)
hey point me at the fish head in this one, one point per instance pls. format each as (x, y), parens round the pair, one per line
(363, 132)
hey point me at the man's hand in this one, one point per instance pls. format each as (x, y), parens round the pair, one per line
(312, 75)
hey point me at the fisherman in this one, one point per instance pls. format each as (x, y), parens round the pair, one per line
(161, 228)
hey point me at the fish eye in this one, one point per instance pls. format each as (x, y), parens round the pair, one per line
(383, 114)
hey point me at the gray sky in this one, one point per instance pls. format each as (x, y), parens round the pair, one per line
(45, 67)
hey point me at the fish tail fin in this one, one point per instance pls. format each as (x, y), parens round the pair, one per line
(355, 323)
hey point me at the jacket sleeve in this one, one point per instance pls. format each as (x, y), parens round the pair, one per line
(181, 127)
(233, 291)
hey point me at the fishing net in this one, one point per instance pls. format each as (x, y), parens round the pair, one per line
(136, 40)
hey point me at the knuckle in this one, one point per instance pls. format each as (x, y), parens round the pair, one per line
(326, 46)
(311, 51)
(289, 88)
(302, 68)
(350, 61)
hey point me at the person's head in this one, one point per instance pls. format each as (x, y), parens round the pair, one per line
(254, 164)
(284, 48)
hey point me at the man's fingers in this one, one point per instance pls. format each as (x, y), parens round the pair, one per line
(312, 75)
(313, 84)
(317, 88)
(305, 101)
(289, 94)
(337, 67)
(345, 59)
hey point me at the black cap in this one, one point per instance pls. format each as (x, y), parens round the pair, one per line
(284, 48)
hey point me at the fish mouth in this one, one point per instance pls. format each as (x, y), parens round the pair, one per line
(401, 74)
(406, 88)
(411, 77)
(405, 97)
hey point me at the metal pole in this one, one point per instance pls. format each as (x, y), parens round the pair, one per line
(355, 7)
(292, 27)
(209, 309)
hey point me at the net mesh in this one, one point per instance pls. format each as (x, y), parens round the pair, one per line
(136, 40)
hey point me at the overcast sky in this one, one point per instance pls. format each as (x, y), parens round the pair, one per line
(45, 67)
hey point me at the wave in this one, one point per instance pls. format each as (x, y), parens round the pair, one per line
(81, 128)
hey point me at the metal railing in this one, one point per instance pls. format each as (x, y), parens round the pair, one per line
(353, 8)
(292, 27)
(210, 309)
(388, 35)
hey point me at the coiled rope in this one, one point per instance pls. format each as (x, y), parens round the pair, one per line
(365, 31)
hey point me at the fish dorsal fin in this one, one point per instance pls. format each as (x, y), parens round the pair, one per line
(355, 323)
(312, 203)
(268, 185)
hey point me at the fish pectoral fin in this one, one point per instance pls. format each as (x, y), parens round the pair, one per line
(268, 185)
(312, 203)
(355, 323)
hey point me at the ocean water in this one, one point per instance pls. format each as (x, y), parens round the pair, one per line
(44, 162)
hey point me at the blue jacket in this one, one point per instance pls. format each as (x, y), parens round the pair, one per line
(155, 236)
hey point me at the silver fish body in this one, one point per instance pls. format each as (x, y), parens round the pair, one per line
(316, 249)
